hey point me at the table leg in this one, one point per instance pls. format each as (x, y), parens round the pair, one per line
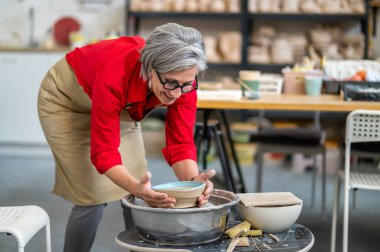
(233, 151)
(228, 177)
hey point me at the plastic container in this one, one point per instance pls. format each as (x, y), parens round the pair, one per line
(334, 87)
(271, 84)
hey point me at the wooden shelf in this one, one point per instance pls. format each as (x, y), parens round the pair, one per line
(247, 21)
(306, 17)
(183, 15)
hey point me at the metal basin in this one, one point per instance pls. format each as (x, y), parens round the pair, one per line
(186, 226)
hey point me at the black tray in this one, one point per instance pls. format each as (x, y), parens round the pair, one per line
(361, 93)
(334, 87)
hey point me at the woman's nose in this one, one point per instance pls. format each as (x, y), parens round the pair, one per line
(176, 93)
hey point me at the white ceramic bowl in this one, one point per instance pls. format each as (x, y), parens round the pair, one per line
(185, 192)
(270, 219)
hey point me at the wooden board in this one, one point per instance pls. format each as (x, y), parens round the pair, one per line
(269, 199)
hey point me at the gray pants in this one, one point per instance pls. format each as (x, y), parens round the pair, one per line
(83, 224)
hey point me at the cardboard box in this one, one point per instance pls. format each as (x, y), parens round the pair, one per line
(294, 82)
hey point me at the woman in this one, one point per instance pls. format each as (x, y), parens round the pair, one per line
(89, 106)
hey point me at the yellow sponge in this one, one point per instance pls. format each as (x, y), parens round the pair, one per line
(238, 230)
(253, 232)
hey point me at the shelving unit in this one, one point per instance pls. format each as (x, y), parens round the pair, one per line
(134, 18)
(247, 21)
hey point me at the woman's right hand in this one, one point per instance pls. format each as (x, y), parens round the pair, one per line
(154, 199)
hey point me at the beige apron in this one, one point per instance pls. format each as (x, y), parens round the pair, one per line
(64, 111)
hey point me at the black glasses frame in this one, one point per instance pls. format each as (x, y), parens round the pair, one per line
(177, 84)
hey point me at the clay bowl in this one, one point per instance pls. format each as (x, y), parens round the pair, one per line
(185, 192)
(271, 219)
(271, 212)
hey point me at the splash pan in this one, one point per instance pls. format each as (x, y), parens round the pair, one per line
(187, 226)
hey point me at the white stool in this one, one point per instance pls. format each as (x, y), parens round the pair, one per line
(24, 222)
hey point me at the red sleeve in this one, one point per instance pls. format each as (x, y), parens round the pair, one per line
(180, 121)
(105, 126)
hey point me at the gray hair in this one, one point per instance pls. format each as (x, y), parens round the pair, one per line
(173, 47)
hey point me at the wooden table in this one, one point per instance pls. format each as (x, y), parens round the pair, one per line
(284, 102)
(333, 103)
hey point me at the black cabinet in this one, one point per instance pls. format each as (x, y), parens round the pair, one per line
(247, 21)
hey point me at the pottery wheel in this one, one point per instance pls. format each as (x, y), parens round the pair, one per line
(296, 238)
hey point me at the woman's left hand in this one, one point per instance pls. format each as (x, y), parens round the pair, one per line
(204, 177)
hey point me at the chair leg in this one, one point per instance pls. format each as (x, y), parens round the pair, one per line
(197, 130)
(345, 216)
(314, 179)
(48, 237)
(198, 139)
(206, 147)
(20, 245)
(355, 163)
(259, 172)
(324, 185)
(335, 214)
(354, 192)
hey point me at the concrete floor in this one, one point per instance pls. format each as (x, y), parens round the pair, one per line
(28, 179)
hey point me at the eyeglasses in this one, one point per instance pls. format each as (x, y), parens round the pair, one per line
(185, 87)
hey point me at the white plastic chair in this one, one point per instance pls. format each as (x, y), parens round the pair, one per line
(361, 126)
(24, 222)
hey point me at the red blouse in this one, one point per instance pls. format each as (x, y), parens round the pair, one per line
(109, 72)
